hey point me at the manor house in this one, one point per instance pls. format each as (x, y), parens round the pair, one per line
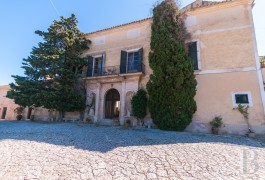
(226, 64)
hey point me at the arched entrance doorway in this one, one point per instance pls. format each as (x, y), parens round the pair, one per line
(112, 104)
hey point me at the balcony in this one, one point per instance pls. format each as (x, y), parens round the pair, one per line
(115, 70)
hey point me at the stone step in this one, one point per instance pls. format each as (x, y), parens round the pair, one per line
(109, 122)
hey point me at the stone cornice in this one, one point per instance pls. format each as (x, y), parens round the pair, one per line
(218, 6)
(114, 78)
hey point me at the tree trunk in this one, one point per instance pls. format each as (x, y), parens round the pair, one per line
(82, 115)
(61, 115)
(140, 122)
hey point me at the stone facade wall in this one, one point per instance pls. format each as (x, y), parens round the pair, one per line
(40, 114)
(227, 63)
(8, 103)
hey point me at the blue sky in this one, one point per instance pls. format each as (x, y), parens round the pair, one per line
(20, 18)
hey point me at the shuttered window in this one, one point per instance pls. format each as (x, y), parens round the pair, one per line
(95, 65)
(89, 72)
(123, 62)
(131, 61)
(193, 54)
(140, 63)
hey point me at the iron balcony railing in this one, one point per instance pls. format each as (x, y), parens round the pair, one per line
(115, 70)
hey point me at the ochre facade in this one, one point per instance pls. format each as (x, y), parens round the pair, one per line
(228, 68)
(7, 105)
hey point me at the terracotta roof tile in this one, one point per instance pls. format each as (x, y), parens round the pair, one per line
(120, 25)
(203, 4)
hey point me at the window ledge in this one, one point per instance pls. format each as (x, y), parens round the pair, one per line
(197, 72)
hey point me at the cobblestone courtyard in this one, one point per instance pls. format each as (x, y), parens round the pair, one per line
(30, 150)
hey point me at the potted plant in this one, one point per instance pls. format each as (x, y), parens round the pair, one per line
(89, 120)
(19, 110)
(216, 123)
(251, 134)
(243, 109)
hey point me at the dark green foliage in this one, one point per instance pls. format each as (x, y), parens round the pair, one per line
(171, 87)
(217, 122)
(52, 71)
(139, 104)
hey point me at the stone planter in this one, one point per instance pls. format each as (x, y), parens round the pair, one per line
(215, 130)
(251, 135)
(19, 117)
(32, 117)
(127, 123)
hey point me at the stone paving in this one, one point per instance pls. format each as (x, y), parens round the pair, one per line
(30, 150)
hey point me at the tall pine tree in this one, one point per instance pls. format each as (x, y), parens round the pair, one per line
(52, 71)
(172, 86)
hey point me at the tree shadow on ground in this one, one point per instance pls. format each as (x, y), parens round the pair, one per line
(104, 139)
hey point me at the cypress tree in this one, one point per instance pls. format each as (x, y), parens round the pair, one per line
(52, 71)
(172, 85)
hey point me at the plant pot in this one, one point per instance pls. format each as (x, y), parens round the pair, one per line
(127, 123)
(215, 130)
(19, 117)
(251, 135)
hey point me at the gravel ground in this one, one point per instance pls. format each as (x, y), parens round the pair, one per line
(30, 150)
(261, 138)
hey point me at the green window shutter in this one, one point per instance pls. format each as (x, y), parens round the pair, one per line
(140, 61)
(123, 63)
(102, 66)
(193, 54)
(89, 66)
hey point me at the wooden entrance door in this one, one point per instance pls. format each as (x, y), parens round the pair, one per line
(112, 104)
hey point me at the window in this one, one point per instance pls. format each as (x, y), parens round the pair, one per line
(132, 61)
(193, 54)
(243, 98)
(95, 65)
